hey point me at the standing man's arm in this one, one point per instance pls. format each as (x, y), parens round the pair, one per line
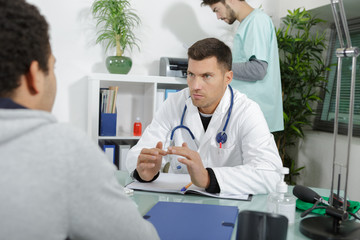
(251, 71)
(251, 50)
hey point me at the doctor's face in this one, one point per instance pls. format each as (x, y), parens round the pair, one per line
(224, 12)
(207, 81)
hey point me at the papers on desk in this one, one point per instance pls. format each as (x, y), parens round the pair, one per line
(173, 183)
(181, 221)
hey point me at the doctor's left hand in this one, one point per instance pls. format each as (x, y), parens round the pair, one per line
(199, 175)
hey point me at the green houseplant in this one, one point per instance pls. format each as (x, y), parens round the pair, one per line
(302, 75)
(116, 22)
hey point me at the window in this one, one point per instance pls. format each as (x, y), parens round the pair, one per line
(326, 111)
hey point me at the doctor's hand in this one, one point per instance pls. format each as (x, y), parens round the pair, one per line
(149, 161)
(199, 175)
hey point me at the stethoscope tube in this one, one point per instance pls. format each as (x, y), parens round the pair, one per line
(221, 137)
(182, 126)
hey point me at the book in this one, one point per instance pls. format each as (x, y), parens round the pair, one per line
(173, 183)
(114, 90)
(108, 99)
(178, 220)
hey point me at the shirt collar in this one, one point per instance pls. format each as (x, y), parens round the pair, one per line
(7, 103)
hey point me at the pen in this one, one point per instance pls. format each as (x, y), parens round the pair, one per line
(186, 187)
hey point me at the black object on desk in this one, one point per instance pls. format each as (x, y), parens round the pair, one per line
(256, 225)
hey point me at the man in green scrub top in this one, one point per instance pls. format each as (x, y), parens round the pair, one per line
(255, 57)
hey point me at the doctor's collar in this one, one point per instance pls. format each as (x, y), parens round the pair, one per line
(206, 115)
(224, 103)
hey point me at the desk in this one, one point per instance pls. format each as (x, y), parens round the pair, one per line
(146, 200)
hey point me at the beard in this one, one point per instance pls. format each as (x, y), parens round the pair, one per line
(231, 16)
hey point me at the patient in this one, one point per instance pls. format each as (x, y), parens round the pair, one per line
(55, 183)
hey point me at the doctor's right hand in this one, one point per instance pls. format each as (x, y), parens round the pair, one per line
(149, 161)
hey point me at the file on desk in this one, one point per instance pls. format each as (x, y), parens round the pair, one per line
(173, 183)
(177, 220)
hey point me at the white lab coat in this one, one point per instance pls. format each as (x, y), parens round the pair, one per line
(249, 160)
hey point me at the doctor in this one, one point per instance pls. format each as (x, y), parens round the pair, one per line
(214, 133)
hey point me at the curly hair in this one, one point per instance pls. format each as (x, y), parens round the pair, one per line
(24, 38)
(211, 47)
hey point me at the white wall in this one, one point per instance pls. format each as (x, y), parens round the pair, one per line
(71, 33)
(168, 27)
(285, 5)
(316, 153)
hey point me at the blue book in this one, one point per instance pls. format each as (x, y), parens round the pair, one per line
(178, 220)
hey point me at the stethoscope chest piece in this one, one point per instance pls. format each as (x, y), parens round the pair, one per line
(221, 137)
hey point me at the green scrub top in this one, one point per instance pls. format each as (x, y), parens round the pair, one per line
(255, 37)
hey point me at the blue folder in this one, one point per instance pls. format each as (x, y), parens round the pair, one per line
(177, 220)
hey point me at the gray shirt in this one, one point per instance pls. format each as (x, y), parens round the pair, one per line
(56, 183)
(251, 71)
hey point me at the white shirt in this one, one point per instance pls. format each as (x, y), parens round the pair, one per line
(247, 163)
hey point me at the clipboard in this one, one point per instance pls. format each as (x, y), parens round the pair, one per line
(182, 221)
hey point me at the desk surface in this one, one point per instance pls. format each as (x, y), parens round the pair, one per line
(146, 200)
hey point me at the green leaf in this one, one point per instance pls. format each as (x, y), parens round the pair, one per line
(115, 18)
(302, 69)
(297, 130)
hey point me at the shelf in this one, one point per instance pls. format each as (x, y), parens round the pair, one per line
(136, 97)
(136, 78)
(119, 137)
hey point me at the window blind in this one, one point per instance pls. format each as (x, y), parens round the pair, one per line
(325, 120)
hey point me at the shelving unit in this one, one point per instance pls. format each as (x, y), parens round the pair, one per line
(136, 97)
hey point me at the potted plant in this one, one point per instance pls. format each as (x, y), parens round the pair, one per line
(302, 76)
(116, 22)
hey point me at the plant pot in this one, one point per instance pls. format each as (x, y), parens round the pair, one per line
(118, 64)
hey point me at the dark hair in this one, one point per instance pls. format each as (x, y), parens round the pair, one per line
(211, 47)
(211, 2)
(23, 38)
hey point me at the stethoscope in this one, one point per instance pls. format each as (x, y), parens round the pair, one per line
(221, 137)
